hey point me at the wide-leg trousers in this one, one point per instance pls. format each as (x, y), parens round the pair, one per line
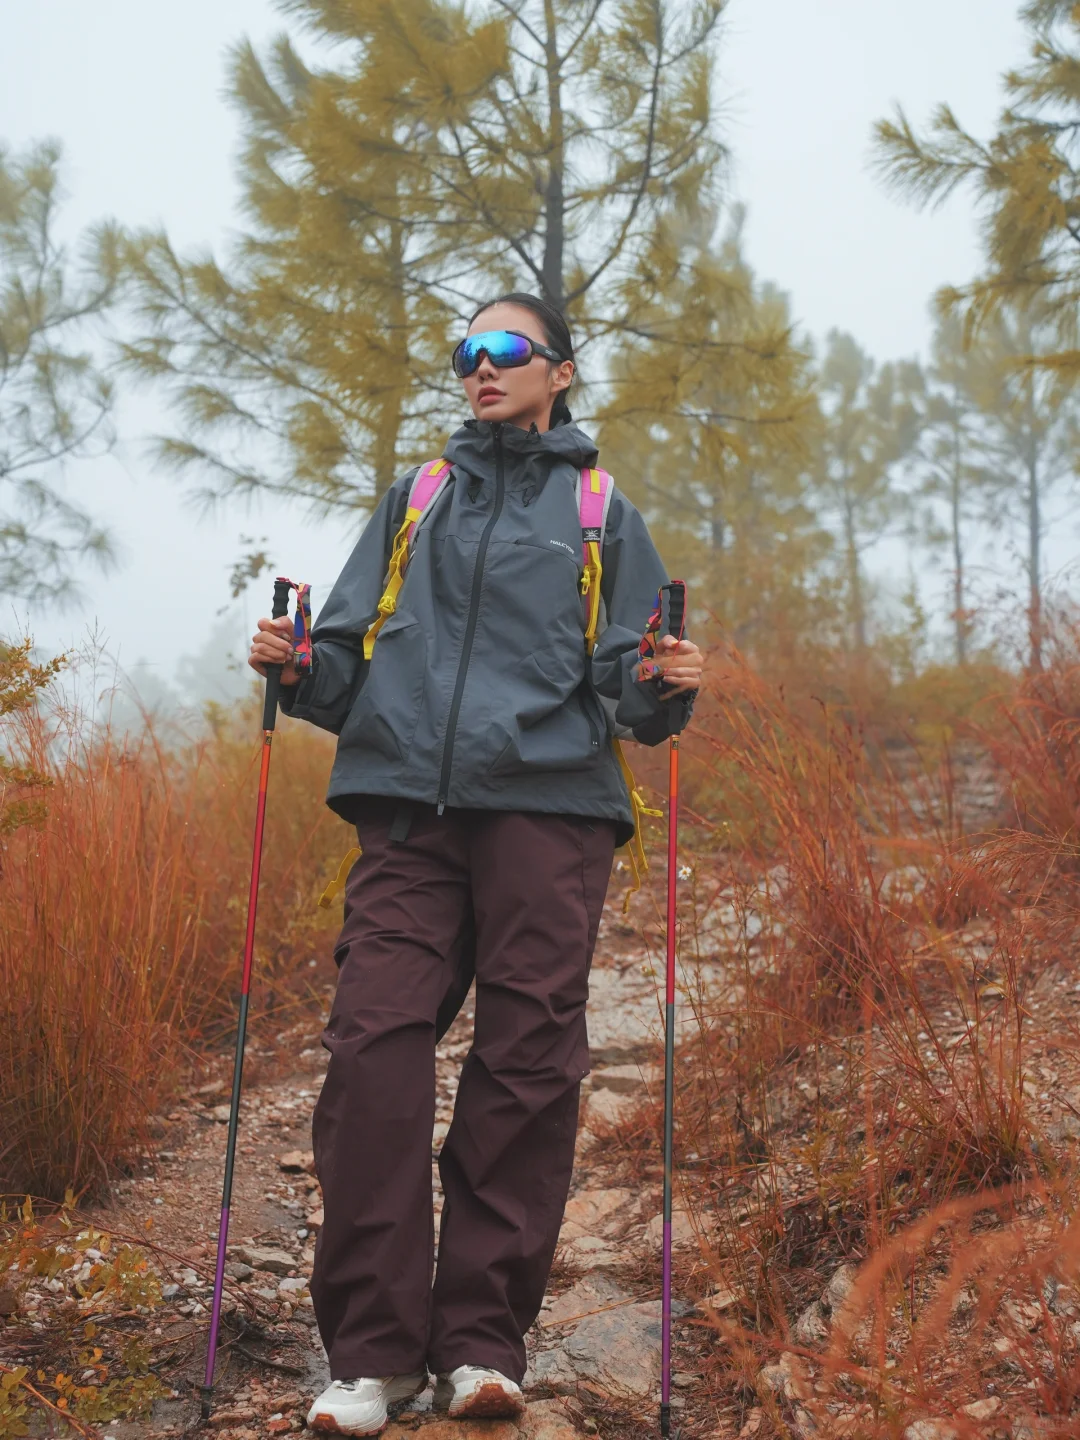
(518, 897)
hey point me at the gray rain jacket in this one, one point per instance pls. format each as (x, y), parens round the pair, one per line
(480, 693)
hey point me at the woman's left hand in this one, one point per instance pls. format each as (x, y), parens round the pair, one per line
(681, 663)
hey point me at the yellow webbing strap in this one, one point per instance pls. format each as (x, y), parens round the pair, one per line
(590, 587)
(635, 846)
(334, 889)
(394, 576)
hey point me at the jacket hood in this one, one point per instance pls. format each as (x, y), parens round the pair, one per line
(529, 452)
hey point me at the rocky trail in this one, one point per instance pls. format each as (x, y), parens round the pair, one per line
(597, 1341)
(594, 1352)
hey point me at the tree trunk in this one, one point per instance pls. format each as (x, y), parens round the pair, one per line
(396, 373)
(960, 619)
(554, 196)
(1034, 565)
(856, 600)
(1034, 519)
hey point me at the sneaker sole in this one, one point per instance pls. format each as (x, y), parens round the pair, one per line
(490, 1402)
(329, 1425)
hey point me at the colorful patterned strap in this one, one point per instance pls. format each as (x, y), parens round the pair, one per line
(302, 629)
(301, 625)
(668, 618)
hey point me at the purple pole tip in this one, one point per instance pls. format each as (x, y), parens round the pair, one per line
(219, 1283)
(665, 1342)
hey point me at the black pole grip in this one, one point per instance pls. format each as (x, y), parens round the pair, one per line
(273, 672)
(672, 615)
(675, 618)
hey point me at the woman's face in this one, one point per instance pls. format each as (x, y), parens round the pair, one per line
(522, 395)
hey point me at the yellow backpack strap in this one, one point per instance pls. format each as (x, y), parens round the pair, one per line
(334, 889)
(594, 491)
(425, 490)
(635, 848)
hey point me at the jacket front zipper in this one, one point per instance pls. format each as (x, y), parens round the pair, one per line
(470, 628)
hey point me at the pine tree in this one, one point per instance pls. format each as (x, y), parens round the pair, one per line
(870, 427)
(709, 429)
(1032, 414)
(1026, 181)
(951, 459)
(55, 403)
(449, 153)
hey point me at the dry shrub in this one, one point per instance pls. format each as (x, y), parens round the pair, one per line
(862, 957)
(1034, 743)
(121, 925)
(965, 1321)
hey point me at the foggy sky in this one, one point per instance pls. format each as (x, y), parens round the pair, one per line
(134, 91)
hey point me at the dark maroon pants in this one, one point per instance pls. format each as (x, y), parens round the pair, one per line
(519, 896)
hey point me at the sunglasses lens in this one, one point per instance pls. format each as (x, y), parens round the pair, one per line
(504, 350)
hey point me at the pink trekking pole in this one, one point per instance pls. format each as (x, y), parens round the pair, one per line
(270, 705)
(673, 622)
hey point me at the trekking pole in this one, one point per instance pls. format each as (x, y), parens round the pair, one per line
(674, 624)
(270, 705)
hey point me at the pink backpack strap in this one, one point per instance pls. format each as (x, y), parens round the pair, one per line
(425, 490)
(594, 491)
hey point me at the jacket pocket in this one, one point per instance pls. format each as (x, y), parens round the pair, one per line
(555, 726)
(384, 715)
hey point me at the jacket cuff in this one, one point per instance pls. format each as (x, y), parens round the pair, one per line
(642, 710)
(294, 699)
(670, 718)
(308, 700)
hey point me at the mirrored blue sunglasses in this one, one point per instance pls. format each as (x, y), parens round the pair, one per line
(506, 349)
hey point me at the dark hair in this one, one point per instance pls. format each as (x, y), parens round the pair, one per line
(556, 332)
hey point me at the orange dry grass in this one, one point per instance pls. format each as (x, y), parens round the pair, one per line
(866, 961)
(121, 925)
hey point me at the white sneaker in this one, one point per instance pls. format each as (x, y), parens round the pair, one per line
(358, 1407)
(472, 1391)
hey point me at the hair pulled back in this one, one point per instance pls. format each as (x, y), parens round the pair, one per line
(556, 333)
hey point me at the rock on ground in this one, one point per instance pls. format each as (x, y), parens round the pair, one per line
(624, 1079)
(606, 1107)
(591, 1212)
(619, 1349)
(543, 1420)
(682, 1230)
(296, 1162)
(594, 1292)
(589, 1252)
(812, 1327)
(840, 1286)
(277, 1262)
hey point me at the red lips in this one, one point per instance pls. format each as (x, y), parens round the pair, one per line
(489, 392)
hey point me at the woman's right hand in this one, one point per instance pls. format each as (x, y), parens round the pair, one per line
(272, 644)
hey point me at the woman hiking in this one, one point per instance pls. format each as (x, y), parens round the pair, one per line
(475, 761)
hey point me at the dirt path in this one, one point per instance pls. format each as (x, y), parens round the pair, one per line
(594, 1352)
(597, 1342)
